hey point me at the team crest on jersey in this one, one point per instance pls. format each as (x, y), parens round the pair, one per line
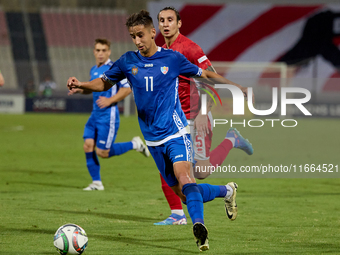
(164, 69)
(134, 70)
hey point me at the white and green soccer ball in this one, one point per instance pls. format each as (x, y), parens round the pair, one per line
(70, 239)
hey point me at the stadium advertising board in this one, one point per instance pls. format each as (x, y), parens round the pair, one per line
(46, 104)
(12, 103)
(60, 104)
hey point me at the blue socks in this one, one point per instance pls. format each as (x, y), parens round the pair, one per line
(197, 194)
(93, 166)
(120, 148)
(92, 161)
(209, 192)
(194, 202)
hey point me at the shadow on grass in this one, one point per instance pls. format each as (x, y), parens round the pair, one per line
(106, 215)
(47, 184)
(147, 243)
(33, 230)
(122, 239)
(30, 171)
(25, 252)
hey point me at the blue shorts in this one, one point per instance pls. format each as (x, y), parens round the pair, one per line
(165, 155)
(102, 130)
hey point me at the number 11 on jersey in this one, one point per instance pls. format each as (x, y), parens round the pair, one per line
(147, 83)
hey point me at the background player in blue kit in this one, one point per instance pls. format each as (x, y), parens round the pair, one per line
(102, 126)
(153, 74)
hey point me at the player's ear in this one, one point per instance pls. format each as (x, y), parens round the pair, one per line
(179, 24)
(153, 33)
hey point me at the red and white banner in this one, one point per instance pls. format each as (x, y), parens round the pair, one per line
(253, 33)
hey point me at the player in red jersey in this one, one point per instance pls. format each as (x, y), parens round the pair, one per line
(169, 23)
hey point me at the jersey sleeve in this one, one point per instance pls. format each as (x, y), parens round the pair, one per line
(114, 74)
(124, 83)
(90, 73)
(196, 55)
(186, 68)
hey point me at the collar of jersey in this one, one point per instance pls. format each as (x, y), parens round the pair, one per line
(108, 61)
(178, 40)
(158, 50)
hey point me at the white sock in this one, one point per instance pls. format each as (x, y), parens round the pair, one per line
(134, 145)
(230, 192)
(232, 140)
(179, 212)
(99, 183)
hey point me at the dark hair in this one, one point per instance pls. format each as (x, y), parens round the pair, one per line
(170, 8)
(140, 18)
(102, 41)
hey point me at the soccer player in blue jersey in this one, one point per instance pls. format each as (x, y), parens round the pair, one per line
(102, 126)
(153, 74)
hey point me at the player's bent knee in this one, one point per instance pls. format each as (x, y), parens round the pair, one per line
(184, 179)
(102, 153)
(88, 145)
(202, 169)
(182, 172)
(201, 176)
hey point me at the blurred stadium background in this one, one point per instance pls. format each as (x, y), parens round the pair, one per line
(42, 167)
(40, 38)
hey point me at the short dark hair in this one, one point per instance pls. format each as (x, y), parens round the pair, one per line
(140, 18)
(102, 41)
(170, 8)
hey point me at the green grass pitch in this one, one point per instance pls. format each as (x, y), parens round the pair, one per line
(42, 173)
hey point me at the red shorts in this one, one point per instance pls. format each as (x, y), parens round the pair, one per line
(201, 144)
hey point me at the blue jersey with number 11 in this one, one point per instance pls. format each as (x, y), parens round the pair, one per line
(154, 82)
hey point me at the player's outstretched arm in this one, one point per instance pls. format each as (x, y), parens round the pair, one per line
(201, 121)
(78, 91)
(95, 85)
(212, 75)
(103, 102)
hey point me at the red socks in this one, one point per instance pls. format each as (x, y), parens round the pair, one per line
(173, 200)
(218, 155)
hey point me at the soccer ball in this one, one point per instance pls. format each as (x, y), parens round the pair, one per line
(70, 239)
